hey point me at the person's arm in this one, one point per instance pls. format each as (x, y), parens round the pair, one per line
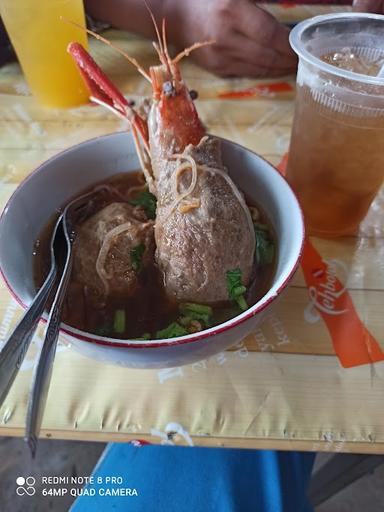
(248, 40)
(375, 6)
(130, 15)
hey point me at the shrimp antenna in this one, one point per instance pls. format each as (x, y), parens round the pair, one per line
(156, 27)
(165, 45)
(161, 45)
(115, 47)
(190, 49)
(158, 51)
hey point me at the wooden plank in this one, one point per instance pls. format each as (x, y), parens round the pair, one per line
(210, 442)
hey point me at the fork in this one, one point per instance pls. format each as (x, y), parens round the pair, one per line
(76, 211)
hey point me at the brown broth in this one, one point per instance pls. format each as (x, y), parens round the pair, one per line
(150, 310)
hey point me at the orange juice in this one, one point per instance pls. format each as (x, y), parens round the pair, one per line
(40, 39)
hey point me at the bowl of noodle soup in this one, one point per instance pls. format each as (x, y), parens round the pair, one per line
(112, 161)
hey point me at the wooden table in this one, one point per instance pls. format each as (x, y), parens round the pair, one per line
(283, 387)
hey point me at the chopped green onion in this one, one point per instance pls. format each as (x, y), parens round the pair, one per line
(264, 248)
(196, 308)
(193, 311)
(119, 321)
(185, 320)
(172, 331)
(239, 290)
(145, 336)
(147, 201)
(242, 302)
(193, 324)
(235, 288)
(137, 257)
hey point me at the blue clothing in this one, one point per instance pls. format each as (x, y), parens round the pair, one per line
(184, 479)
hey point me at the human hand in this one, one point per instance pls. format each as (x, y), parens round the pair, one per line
(376, 6)
(248, 40)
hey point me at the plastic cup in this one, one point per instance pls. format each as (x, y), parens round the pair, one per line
(336, 158)
(40, 38)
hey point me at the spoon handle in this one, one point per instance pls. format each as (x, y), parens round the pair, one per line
(43, 370)
(14, 350)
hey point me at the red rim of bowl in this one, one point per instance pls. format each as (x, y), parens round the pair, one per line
(207, 333)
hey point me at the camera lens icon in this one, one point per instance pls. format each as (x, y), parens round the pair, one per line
(25, 486)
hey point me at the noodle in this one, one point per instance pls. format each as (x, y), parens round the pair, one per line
(185, 208)
(255, 214)
(195, 203)
(106, 247)
(104, 250)
(236, 193)
(137, 188)
(179, 171)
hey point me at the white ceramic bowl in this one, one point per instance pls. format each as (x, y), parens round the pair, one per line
(67, 174)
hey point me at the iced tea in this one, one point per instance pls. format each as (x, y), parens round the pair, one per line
(336, 162)
(336, 158)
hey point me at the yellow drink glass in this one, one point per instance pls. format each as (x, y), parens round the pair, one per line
(40, 38)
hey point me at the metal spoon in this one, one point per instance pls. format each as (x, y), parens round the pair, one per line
(15, 348)
(42, 376)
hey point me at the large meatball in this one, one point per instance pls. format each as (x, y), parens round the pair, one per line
(111, 249)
